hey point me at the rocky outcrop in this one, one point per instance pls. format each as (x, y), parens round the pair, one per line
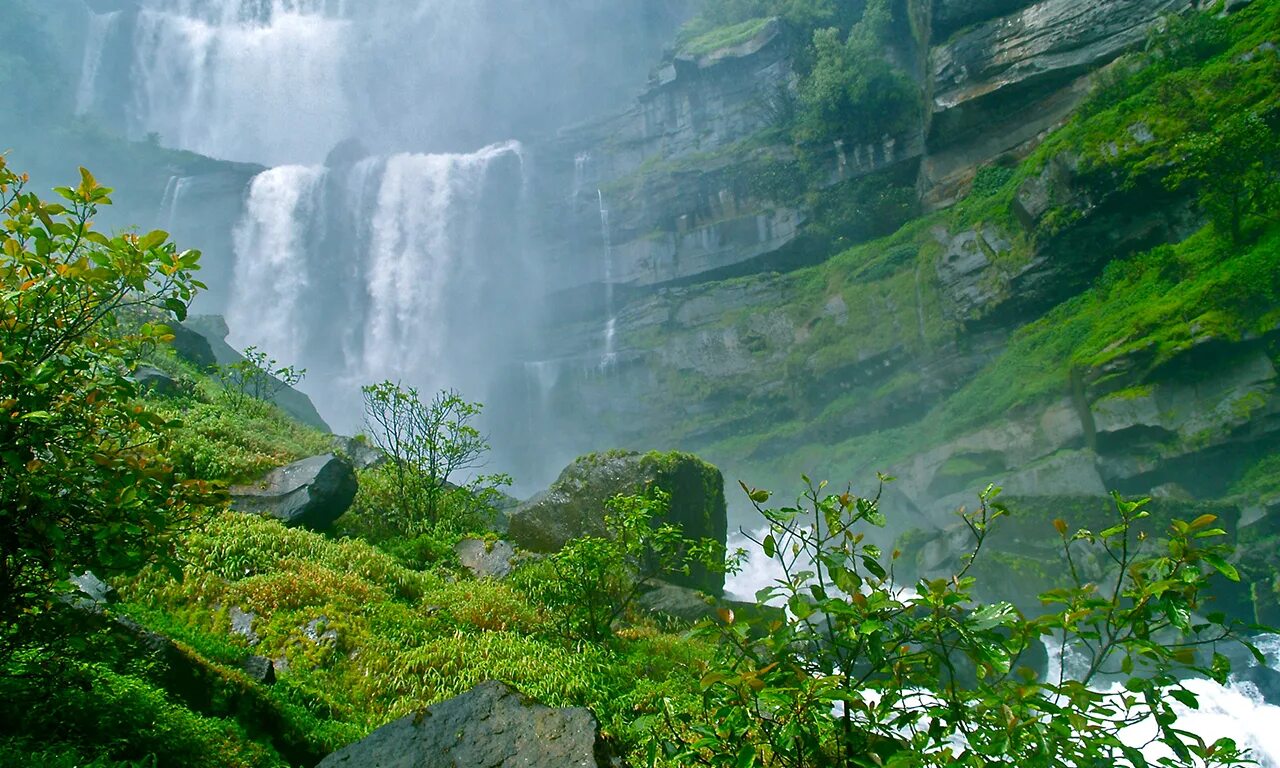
(576, 504)
(213, 330)
(999, 85)
(952, 15)
(681, 605)
(486, 559)
(491, 725)
(311, 493)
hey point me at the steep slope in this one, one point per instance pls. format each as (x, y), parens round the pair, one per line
(1059, 329)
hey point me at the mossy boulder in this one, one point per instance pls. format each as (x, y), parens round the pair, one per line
(576, 504)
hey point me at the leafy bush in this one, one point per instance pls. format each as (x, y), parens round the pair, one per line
(256, 377)
(427, 444)
(853, 91)
(592, 581)
(84, 483)
(865, 672)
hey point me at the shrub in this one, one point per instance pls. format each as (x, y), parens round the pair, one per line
(593, 580)
(428, 444)
(84, 483)
(865, 672)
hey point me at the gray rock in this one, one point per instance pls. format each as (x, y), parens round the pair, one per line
(576, 504)
(1051, 39)
(260, 669)
(1231, 6)
(95, 590)
(491, 725)
(153, 381)
(319, 632)
(680, 603)
(966, 274)
(242, 624)
(359, 452)
(486, 560)
(312, 493)
(951, 15)
(213, 330)
(192, 346)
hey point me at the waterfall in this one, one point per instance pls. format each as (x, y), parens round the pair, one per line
(610, 326)
(240, 79)
(272, 262)
(171, 200)
(101, 26)
(407, 267)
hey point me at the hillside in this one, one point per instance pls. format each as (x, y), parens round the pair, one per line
(919, 248)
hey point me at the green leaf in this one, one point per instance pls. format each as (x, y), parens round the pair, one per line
(1222, 566)
(152, 239)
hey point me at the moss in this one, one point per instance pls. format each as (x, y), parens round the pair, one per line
(724, 37)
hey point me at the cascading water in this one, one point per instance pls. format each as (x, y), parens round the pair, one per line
(407, 267)
(241, 79)
(172, 200)
(282, 81)
(273, 272)
(101, 26)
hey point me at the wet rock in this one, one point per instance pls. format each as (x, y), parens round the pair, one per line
(93, 590)
(311, 493)
(153, 381)
(576, 504)
(213, 331)
(491, 725)
(242, 624)
(319, 632)
(260, 669)
(359, 452)
(486, 559)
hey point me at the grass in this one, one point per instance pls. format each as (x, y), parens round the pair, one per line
(723, 37)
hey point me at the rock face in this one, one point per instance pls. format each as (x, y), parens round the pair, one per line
(1016, 72)
(575, 505)
(213, 330)
(312, 493)
(491, 725)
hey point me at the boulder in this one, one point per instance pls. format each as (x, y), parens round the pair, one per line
(689, 606)
(486, 559)
(260, 669)
(92, 591)
(153, 381)
(359, 452)
(491, 725)
(576, 504)
(312, 493)
(242, 624)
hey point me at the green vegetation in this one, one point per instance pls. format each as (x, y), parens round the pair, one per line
(854, 91)
(1136, 151)
(409, 504)
(376, 620)
(84, 479)
(593, 580)
(864, 672)
(724, 37)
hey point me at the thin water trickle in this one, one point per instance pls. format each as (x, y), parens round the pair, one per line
(610, 354)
